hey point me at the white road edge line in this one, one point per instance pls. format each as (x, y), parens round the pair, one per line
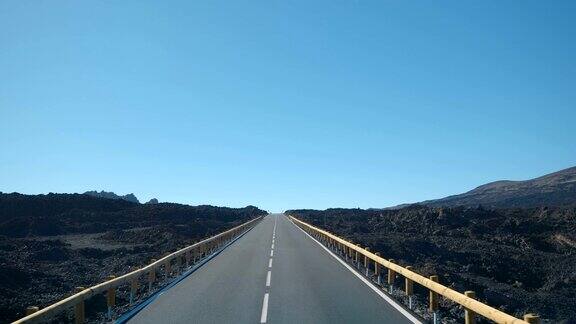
(268, 278)
(390, 301)
(272, 246)
(270, 263)
(264, 309)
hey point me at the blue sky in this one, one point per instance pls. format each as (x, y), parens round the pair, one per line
(284, 104)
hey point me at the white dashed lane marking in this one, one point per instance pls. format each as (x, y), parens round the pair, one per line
(264, 316)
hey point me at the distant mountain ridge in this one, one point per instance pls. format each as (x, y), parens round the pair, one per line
(554, 189)
(111, 195)
(58, 214)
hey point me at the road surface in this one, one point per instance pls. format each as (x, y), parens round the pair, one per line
(275, 273)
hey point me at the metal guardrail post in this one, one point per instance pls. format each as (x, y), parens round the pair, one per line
(178, 264)
(377, 271)
(532, 318)
(111, 298)
(168, 267)
(434, 302)
(151, 276)
(469, 316)
(357, 257)
(433, 296)
(391, 277)
(79, 308)
(31, 310)
(409, 288)
(351, 253)
(188, 258)
(133, 290)
(367, 262)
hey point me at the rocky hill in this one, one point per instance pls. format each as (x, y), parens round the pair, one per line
(110, 195)
(555, 189)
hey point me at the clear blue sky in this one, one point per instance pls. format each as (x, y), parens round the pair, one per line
(284, 104)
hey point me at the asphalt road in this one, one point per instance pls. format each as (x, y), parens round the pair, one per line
(294, 281)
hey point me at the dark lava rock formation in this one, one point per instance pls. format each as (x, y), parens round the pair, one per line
(110, 195)
(152, 201)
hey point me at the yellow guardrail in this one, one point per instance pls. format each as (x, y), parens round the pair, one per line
(35, 315)
(471, 305)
